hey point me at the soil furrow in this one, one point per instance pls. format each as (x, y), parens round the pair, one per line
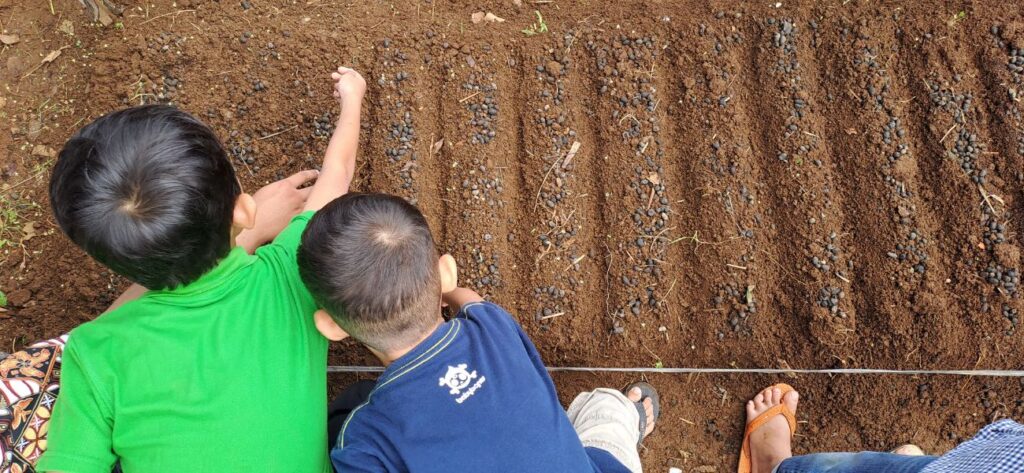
(559, 252)
(721, 225)
(868, 120)
(638, 204)
(1001, 68)
(596, 174)
(478, 161)
(986, 264)
(808, 211)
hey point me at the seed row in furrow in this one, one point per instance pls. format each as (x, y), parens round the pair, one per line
(638, 238)
(965, 148)
(559, 253)
(800, 150)
(396, 109)
(477, 179)
(727, 160)
(1008, 44)
(890, 135)
(1013, 48)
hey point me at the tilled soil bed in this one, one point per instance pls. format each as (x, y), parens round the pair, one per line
(643, 184)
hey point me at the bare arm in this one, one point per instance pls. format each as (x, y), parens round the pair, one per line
(340, 159)
(459, 297)
(276, 204)
(133, 292)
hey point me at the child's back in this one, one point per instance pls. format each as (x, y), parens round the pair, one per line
(470, 394)
(473, 396)
(219, 367)
(224, 374)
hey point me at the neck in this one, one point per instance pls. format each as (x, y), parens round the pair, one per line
(389, 356)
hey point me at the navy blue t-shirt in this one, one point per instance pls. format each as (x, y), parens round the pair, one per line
(472, 397)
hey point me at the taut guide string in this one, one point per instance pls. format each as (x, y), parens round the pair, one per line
(787, 371)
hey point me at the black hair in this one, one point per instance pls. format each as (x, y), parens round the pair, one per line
(149, 192)
(370, 261)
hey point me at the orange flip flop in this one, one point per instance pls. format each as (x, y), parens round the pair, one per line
(760, 420)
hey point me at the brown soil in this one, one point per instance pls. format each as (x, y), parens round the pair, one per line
(823, 184)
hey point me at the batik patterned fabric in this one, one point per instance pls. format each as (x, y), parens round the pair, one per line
(28, 390)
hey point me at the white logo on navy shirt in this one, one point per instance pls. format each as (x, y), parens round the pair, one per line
(458, 379)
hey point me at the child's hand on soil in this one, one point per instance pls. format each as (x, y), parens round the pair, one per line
(349, 86)
(276, 204)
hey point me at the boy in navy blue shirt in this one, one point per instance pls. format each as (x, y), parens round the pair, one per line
(470, 394)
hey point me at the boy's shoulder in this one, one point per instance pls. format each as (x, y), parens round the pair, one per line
(486, 312)
(107, 331)
(492, 319)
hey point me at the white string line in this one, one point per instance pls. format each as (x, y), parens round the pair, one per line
(851, 371)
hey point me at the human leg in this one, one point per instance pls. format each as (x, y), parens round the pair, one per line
(343, 405)
(862, 462)
(771, 423)
(29, 386)
(609, 420)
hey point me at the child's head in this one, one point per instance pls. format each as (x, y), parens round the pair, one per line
(370, 262)
(150, 193)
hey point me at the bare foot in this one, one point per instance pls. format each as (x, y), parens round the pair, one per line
(909, 450)
(635, 395)
(770, 444)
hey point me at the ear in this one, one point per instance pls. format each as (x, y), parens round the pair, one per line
(244, 215)
(328, 327)
(449, 272)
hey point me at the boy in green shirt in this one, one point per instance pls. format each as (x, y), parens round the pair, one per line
(218, 366)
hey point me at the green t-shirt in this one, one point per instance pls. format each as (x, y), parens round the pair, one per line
(225, 374)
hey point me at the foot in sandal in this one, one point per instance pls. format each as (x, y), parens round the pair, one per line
(636, 394)
(771, 443)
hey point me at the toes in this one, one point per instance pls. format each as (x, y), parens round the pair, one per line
(791, 399)
(649, 412)
(759, 401)
(776, 396)
(634, 394)
(751, 411)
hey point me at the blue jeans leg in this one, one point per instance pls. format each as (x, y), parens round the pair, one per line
(863, 462)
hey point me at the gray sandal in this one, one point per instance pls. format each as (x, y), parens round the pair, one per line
(646, 391)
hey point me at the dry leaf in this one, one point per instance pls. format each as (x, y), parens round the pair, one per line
(28, 231)
(52, 56)
(9, 39)
(517, 3)
(434, 148)
(67, 28)
(477, 17)
(851, 131)
(575, 148)
(44, 151)
(491, 17)
(785, 366)
(654, 178)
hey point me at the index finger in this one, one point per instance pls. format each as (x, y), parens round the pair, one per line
(302, 177)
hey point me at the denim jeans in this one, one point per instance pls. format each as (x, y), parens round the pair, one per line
(863, 462)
